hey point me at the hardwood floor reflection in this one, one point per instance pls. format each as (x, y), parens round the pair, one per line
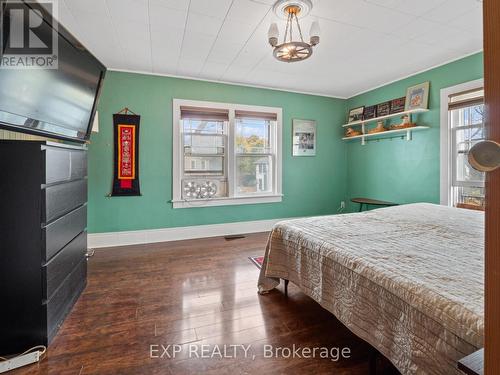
(196, 292)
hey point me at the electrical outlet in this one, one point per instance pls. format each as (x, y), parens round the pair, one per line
(341, 207)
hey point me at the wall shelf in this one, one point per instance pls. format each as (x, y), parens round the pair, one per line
(362, 122)
(380, 135)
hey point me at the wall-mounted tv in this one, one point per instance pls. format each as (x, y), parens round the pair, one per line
(53, 102)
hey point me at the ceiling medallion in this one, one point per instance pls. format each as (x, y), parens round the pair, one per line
(293, 50)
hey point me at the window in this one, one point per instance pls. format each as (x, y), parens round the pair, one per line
(204, 154)
(225, 154)
(465, 127)
(254, 152)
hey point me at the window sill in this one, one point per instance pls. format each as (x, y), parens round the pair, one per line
(227, 201)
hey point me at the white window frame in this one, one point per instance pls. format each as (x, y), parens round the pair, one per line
(454, 151)
(232, 198)
(447, 139)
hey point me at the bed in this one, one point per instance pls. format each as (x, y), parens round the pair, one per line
(407, 279)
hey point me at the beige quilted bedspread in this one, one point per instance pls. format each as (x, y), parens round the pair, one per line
(407, 279)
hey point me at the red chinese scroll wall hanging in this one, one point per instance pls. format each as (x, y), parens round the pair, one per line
(126, 170)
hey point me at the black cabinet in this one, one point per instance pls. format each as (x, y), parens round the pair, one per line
(43, 239)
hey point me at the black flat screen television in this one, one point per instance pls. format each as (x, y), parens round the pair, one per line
(57, 102)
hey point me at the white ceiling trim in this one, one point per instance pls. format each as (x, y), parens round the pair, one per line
(294, 91)
(224, 82)
(416, 73)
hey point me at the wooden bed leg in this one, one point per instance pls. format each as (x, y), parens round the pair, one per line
(286, 287)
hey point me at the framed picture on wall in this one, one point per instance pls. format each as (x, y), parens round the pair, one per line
(384, 109)
(370, 112)
(356, 114)
(304, 137)
(398, 105)
(417, 97)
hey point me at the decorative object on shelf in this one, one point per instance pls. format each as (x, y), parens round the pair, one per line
(126, 153)
(370, 112)
(384, 109)
(363, 134)
(405, 124)
(417, 97)
(291, 50)
(304, 137)
(379, 128)
(356, 114)
(398, 105)
(362, 123)
(350, 132)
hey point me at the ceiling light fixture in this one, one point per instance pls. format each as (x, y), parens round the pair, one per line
(290, 50)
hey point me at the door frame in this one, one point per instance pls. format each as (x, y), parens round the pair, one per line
(491, 22)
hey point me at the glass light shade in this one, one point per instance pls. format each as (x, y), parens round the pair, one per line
(273, 31)
(314, 33)
(273, 34)
(315, 29)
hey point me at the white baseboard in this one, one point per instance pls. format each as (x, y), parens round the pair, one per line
(98, 240)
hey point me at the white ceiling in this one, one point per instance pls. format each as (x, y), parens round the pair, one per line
(364, 43)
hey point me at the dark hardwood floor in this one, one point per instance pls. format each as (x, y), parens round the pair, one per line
(194, 293)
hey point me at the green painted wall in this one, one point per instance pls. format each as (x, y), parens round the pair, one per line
(394, 170)
(311, 185)
(397, 170)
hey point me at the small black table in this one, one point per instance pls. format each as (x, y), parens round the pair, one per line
(373, 202)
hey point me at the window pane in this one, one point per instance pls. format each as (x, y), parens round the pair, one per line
(465, 173)
(203, 144)
(203, 126)
(253, 174)
(203, 165)
(468, 116)
(253, 136)
(466, 138)
(469, 196)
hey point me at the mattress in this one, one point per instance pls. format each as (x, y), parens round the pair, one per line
(409, 279)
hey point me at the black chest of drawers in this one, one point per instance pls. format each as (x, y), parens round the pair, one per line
(43, 239)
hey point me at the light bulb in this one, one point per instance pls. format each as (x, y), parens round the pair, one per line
(273, 34)
(314, 33)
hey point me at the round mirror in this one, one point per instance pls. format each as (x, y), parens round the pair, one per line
(485, 156)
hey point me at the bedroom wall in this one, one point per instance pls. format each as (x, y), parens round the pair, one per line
(394, 170)
(397, 170)
(311, 185)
